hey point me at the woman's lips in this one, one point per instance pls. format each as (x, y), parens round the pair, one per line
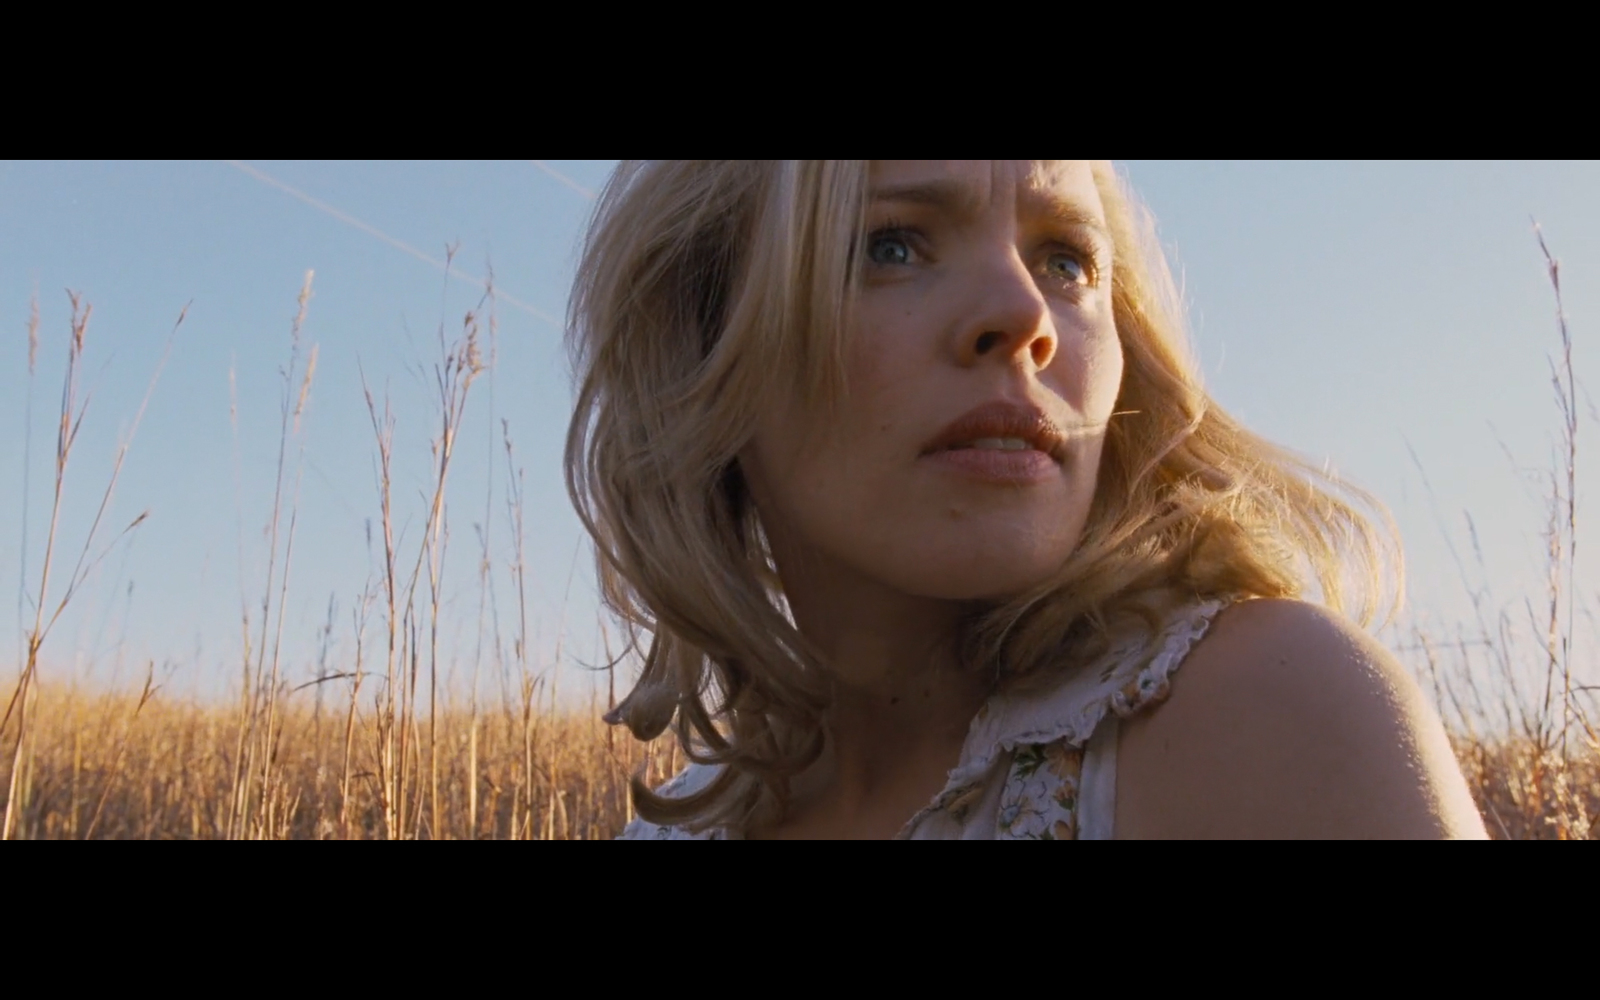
(1000, 441)
(996, 420)
(1018, 468)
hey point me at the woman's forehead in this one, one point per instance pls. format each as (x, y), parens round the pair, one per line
(977, 183)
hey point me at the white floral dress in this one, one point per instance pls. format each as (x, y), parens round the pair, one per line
(1033, 767)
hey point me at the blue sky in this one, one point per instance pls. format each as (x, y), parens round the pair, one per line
(1344, 310)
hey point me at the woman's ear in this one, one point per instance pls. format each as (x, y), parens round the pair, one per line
(734, 487)
(745, 484)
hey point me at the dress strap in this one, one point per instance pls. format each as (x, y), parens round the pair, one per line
(1061, 781)
(1097, 794)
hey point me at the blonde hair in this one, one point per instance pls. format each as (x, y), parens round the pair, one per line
(703, 282)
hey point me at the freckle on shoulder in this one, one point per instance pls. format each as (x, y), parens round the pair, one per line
(1265, 634)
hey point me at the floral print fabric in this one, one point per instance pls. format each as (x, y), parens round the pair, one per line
(1040, 800)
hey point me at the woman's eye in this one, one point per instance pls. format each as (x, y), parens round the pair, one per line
(888, 248)
(1067, 267)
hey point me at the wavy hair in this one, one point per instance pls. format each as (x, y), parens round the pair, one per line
(700, 284)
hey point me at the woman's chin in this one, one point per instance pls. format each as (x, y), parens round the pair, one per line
(984, 578)
(986, 560)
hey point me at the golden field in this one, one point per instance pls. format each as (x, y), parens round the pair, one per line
(101, 766)
(104, 766)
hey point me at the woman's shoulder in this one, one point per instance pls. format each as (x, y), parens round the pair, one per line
(1290, 720)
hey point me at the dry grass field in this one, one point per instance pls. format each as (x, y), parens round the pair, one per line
(379, 750)
(1526, 793)
(103, 766)
(115, 765)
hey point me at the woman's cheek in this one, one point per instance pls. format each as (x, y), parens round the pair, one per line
(1087, 370)
(1105, 378)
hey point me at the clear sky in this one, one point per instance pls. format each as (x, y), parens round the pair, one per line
(1344, 310)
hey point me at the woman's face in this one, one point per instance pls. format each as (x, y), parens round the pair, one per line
(982, 367)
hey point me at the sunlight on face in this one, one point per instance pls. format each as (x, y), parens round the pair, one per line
(983, 366)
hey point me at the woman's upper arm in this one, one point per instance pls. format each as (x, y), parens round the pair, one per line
(1288, 721)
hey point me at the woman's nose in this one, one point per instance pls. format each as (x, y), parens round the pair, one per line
(1010, 319)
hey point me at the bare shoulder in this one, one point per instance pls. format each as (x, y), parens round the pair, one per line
(1290, 721)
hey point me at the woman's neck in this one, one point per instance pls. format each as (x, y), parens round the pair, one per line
(902, 704)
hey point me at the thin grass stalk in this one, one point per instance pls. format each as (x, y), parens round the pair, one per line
(1564, 380)
(1574, 819)
(257, 696)
(408, 698)
(260, 687)
(383, 431)
(27, 479)
(66, 434)
(485, 568)
(359, 613)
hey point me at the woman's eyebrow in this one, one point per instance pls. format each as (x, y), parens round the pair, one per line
(1065, 212)
(956, 197)
(961, 198)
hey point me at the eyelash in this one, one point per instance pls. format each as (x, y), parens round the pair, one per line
(1087, 254)
(892, 228)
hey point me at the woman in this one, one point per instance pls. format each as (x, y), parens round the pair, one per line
(907, 493)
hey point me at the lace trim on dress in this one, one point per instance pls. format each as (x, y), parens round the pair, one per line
(1042, 783)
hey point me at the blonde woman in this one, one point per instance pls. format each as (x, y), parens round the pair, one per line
(924, 526)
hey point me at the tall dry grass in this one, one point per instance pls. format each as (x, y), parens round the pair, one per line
(376, 748)
(390, 754)
(140, 765)
(1521, 711)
